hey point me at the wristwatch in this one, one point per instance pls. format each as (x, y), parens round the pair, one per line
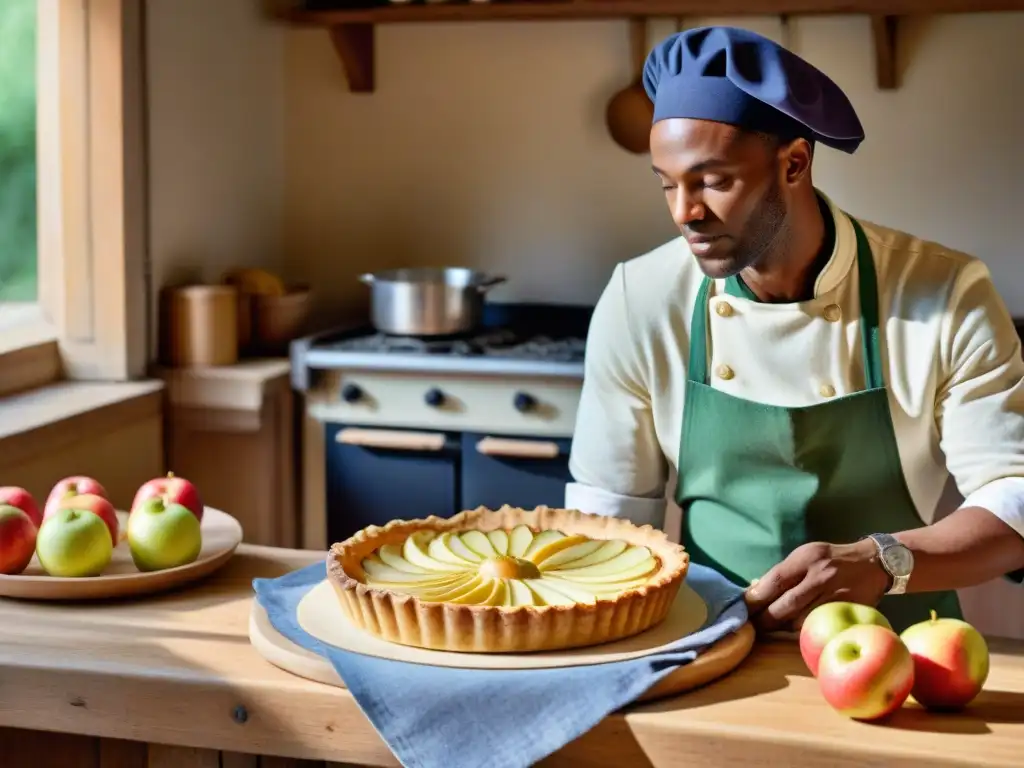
(896, 559)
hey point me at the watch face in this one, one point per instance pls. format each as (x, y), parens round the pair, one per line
(900, 560)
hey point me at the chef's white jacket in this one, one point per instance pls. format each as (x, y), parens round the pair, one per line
(951, 355)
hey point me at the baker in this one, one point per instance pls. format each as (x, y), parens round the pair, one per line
(814, 381)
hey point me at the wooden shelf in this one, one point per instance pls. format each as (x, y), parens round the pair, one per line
(352, 30)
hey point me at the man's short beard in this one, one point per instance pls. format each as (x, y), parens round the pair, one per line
(764, 232)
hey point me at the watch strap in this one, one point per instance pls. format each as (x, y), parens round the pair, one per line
(884, 541)
(899, 585)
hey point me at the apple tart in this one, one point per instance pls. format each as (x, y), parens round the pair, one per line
(510, 580)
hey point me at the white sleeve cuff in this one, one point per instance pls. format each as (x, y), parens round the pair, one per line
(1004, 498)
(597, 501)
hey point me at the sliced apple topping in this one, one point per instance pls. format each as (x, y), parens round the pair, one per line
(461, 549)
(519, 594)
(519, 540)
(414, 551)
(606, 551)
(510, 568)
(553, 548)
(379, 571)
(548, 595)
(499, 540)
(392, 555)
(479, 543)
(541, 541)
(442, 552)
(498, 593)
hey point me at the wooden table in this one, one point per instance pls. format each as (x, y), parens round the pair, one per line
(172, 682)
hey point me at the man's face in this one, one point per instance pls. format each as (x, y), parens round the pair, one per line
(725, 189)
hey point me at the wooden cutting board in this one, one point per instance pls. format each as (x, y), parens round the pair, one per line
(320, 615)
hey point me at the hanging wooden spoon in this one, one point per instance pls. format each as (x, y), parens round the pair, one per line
(630, 113)
(787, 31)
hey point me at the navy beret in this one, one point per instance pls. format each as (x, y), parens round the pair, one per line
(738, 77)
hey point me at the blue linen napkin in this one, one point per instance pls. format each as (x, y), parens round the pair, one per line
(440, 717)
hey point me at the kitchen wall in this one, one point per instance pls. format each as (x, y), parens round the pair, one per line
(485, 145)
(216, 117)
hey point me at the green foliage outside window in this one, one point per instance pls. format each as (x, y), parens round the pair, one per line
(18, 150)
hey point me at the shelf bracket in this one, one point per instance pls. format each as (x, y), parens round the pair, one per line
(353, 43)
(884, 31)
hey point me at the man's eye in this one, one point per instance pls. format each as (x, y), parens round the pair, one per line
(717, 182)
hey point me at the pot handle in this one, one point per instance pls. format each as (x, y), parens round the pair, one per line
(367, 278)
(490, 282)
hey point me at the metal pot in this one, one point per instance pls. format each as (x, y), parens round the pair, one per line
(429, 301)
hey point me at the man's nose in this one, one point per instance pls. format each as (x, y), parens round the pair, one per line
(687, 208)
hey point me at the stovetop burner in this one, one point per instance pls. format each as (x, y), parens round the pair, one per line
(514, 340)
(499, 343)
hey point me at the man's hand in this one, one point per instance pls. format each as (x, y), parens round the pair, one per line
(814, 574)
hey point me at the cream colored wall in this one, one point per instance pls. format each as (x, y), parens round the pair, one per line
(216, 88)
(485, 145)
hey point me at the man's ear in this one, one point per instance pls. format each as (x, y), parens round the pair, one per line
(796, 157)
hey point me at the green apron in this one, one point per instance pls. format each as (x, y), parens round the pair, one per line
(756, 481)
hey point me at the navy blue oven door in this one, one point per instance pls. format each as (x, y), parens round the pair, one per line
(378, 475)
(519, 471)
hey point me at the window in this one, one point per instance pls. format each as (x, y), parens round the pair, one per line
(18, 273)
(72, 191)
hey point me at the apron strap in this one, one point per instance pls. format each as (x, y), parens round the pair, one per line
(870, 337)
(697, 368)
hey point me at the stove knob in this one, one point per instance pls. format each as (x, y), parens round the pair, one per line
(434, 397)
(350, 393)
(524, 402)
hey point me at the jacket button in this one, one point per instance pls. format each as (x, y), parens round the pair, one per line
(827, 390)
(724, 372)
(832, 313)
(724, 309)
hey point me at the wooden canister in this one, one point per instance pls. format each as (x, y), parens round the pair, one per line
(203, 325)
(277, 320)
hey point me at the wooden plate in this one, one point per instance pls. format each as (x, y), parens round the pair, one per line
(716, 661)
(221, 536)
(319, 614)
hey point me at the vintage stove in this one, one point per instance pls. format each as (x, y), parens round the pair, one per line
(416, 427)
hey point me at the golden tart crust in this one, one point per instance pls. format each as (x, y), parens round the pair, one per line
(406, 619)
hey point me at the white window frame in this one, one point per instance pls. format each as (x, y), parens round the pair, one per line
(91, 320)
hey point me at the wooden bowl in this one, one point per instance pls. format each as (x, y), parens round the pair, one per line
(278, 320)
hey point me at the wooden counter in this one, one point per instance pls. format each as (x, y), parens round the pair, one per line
(178, 673)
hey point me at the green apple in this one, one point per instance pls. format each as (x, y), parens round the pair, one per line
(828, 620)
(73, 543)
(163, 535)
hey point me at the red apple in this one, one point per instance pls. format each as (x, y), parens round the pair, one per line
(98, 505)
(950, 662)
(22, 499)
(71, 485)
(866, 672)
(172, 490)
(828, 620)
(17, 539)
